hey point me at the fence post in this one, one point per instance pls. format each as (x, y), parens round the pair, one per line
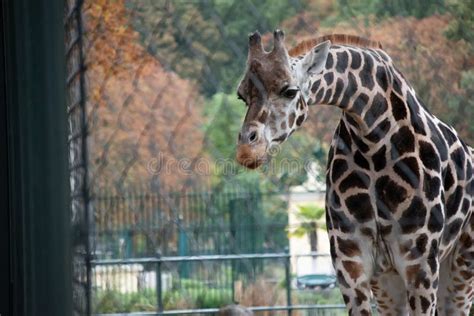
(159, 295)
(288, 279)
(232, 274)
(183, 266)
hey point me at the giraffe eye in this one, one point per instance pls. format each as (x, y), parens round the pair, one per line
(290, 93)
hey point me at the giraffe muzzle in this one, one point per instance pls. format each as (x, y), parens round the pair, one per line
(250, 156)
(252, 147)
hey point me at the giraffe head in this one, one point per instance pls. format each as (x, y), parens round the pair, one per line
(275, 106)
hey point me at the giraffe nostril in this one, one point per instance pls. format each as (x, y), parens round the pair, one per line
(240, 137)
(253, 136)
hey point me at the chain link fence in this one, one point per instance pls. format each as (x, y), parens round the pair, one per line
(139, 223)
(78, 156)
(144, 154)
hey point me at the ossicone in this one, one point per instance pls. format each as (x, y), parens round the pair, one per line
(255, 43)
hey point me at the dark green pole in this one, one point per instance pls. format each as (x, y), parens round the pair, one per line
(182, 249)
(38, 185)
(288, 279)
(159, 286)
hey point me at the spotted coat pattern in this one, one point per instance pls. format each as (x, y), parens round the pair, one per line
(400, 186)
(399, 191)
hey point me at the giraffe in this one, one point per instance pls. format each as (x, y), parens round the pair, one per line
(399, 180)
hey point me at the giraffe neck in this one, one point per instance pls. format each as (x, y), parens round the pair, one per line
(372, 93)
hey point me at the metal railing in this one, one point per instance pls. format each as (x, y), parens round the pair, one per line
(159, 261)
(289, 309)
(192, 222)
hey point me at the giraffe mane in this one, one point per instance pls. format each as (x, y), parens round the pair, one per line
(354, 40)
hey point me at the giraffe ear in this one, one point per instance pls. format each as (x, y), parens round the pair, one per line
(315, 59)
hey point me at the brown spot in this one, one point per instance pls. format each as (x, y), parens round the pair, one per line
(412, 272)
(263, 117)
(460, 261)
(385, 230)
(460, 287)
(353, 268)
(345, 298)
(301, 105)
(283, 125)
(360, 297)
(348, 247)
(341, 279)
(389, 196)
(425, 304)
(360, 206)
(412, 303)
(364, 312)
(291, 119)
(420, 248)
(367, 232)
(467, 275)
(417, 276)
(300, 120)
(465, 240)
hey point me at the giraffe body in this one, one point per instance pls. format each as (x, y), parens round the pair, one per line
(399, 181)
(399, 195)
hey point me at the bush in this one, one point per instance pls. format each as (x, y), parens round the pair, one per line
(142, 301)
(197, 298)
(330, 296)
(112, 301)
(108, 302)
(213, 298)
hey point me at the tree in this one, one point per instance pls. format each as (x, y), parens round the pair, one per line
(462, 105)
(206, 40)
(311, 219)
(431, 62)
(223, 114)
(138, 111)
(388, 8)
(417, 8)
(462, 22)
(459, 30)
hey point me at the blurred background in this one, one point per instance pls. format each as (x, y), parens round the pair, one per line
(162, 118)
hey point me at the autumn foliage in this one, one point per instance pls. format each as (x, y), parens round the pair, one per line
(149, 66)
(432, 63)
(140, 115)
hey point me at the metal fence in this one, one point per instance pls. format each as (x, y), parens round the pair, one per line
(130, 105)
(78, 155)
(137, 247)
(138, 223)
(195, 251)
(149, 83)
(263, 282)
